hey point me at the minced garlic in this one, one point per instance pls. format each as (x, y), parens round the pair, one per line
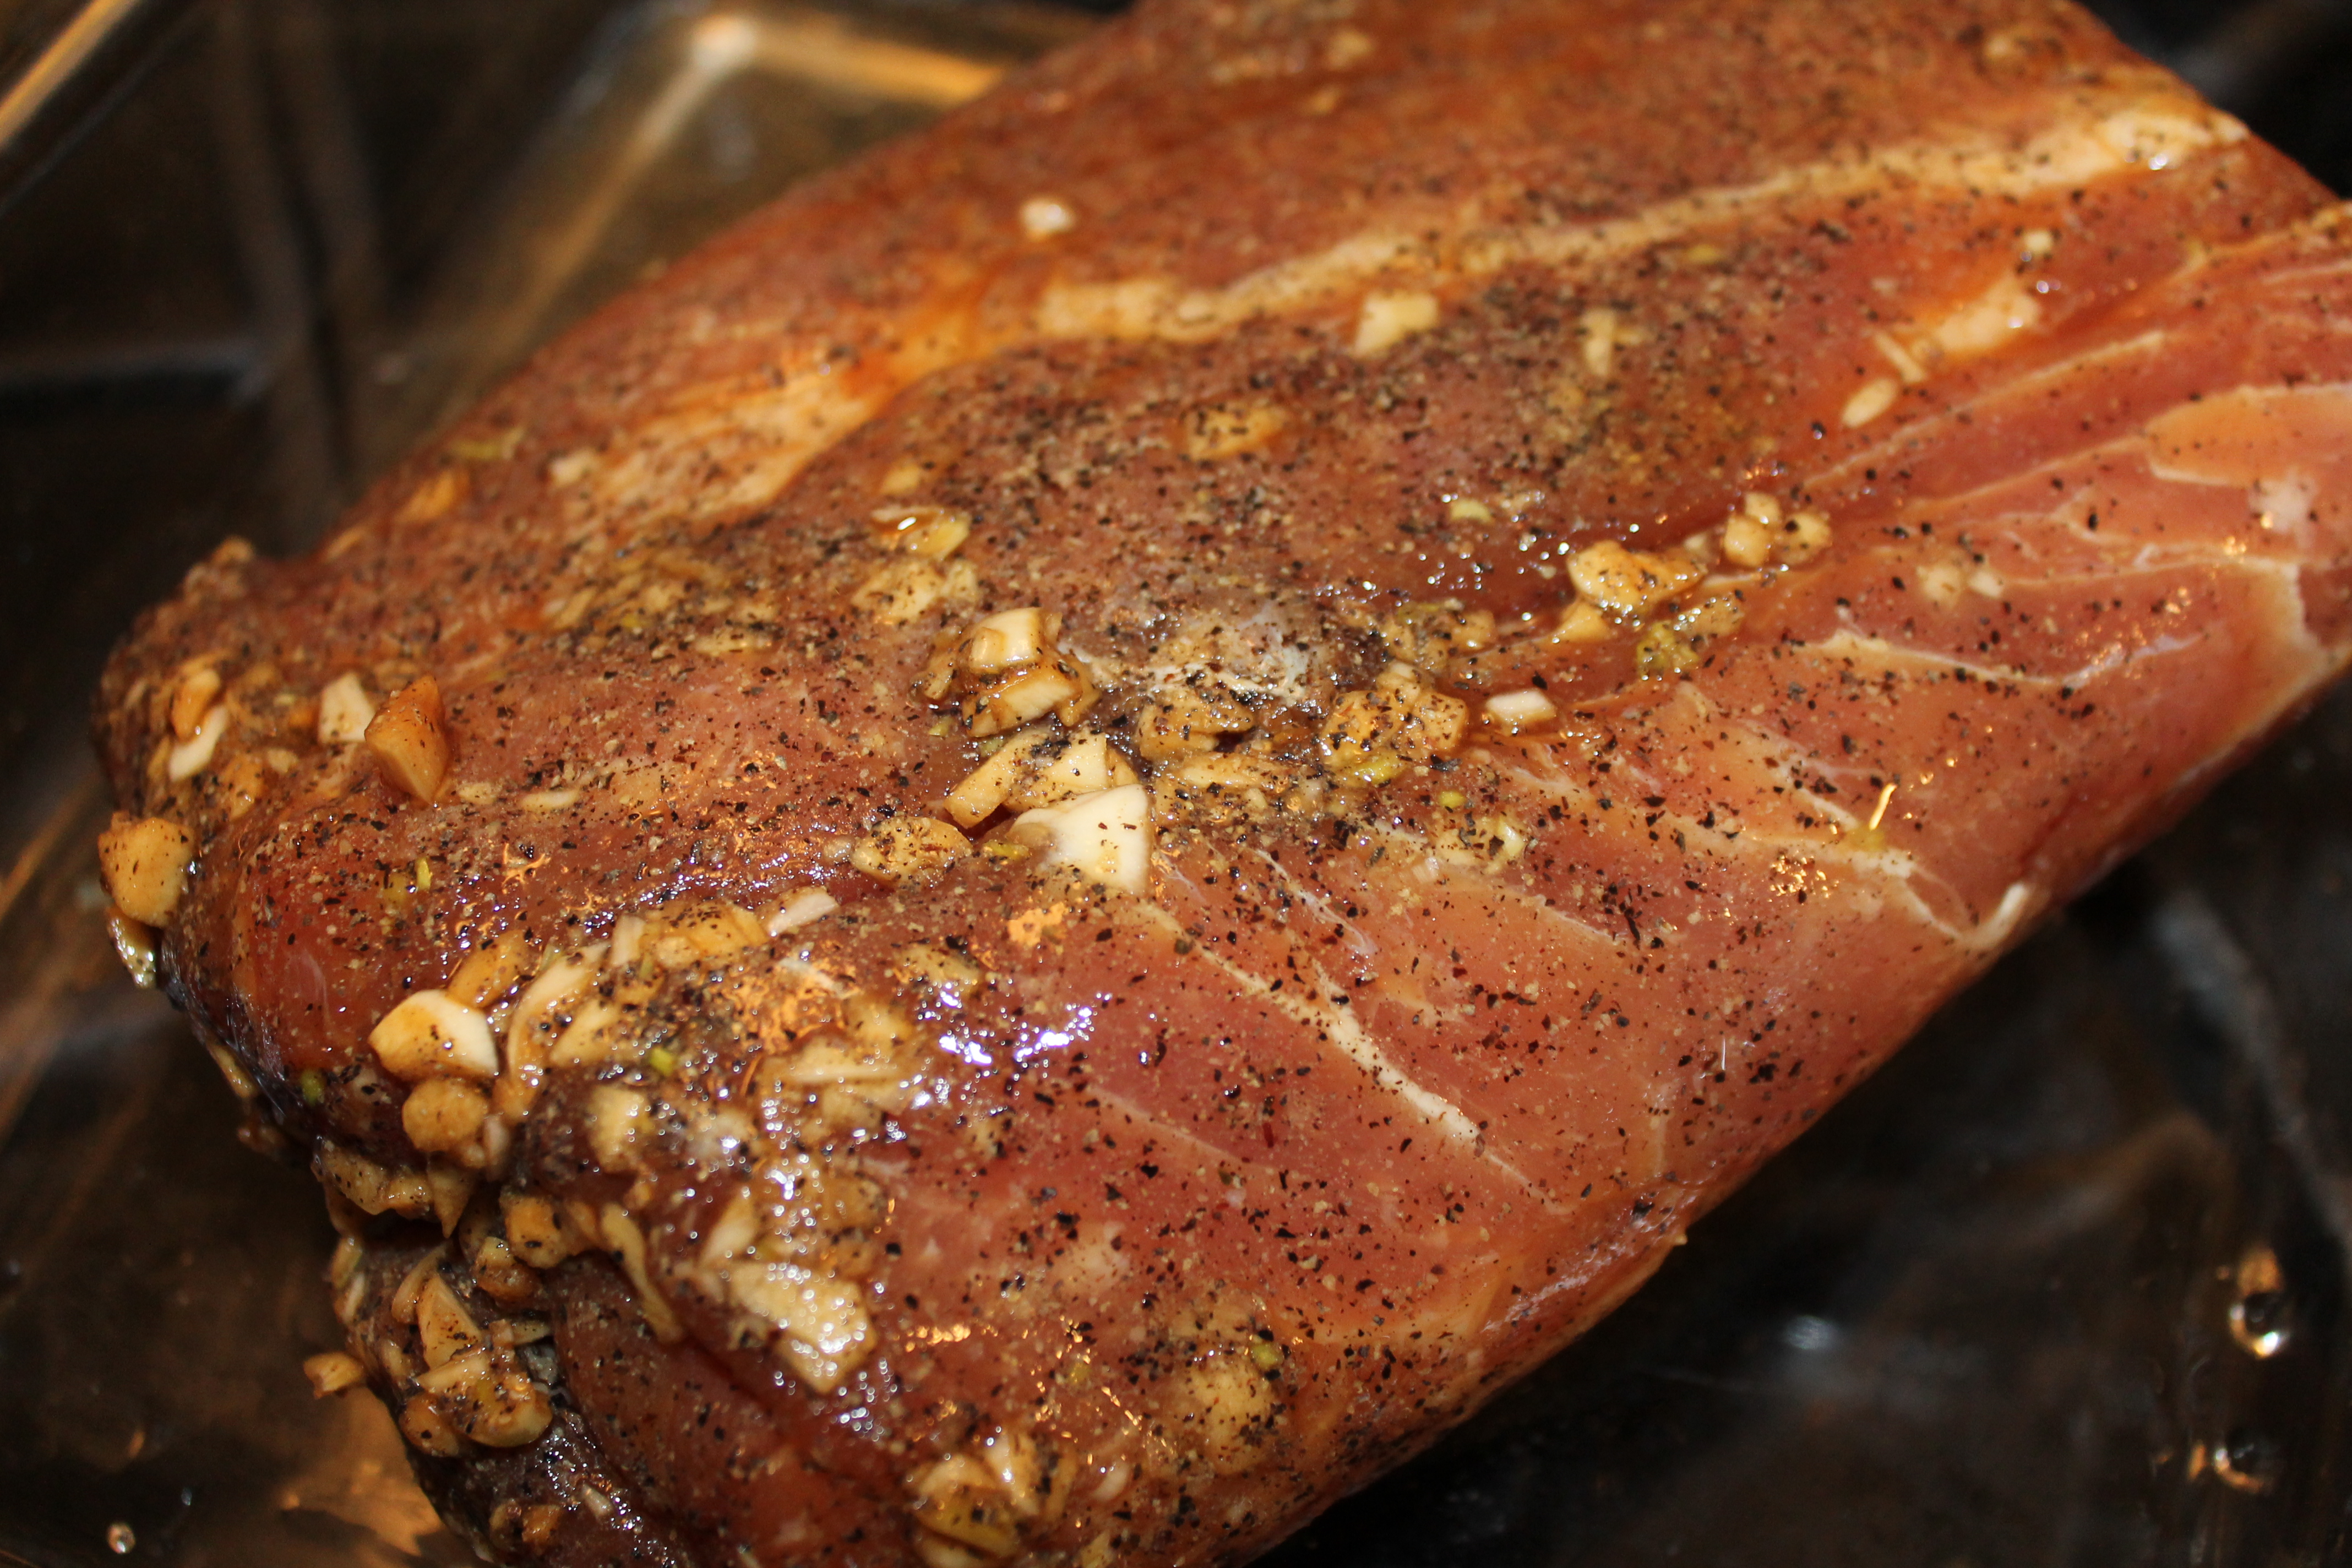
(192, 700)
(1220, 785)
(1105, 837)
(1515, 712)
(444, 1115)
(933, 532)
(195, 755)
(910, 848)
(332, 1372)
(1186, 718)
(1630, 582)
(1401, 719)
(432, 1034)
(1429, 634)
(1387, 319)
(145, 864)
(344, 710)
(410, 739)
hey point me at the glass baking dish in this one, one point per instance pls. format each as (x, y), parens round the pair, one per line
(2065, 1284)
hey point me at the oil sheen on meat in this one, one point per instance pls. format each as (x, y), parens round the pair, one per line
(1049, 854)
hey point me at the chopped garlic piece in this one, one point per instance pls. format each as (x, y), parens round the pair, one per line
(905, 586)
(831, 1060)
(490, 972)
(708, 932)
(593, 1038)
(489, 1397)
(410, 739)
(537, 1020)
(802, 908)
(571, 467)
(1223, 1405)
(193, 702)
(960, 1498)
(1715, 616)
(432, 1033)
(826, 1333)
(1387, 319)
(444, 1328)
(1087, 765)
(444, 1115)
(1941, 582)
(1520, 711)
(134, 944)
(1220, 430)
(1348, 47)
(617, 1123)
(1803, 536)
(1184, 720)
(1105, 837)
(732, 1234)
(932, 533)
(536, 1230)
(145, 864)
(1030, 694)
(1597, 328)
(429, 1431)
(1986, 322)
(374, 1188)
(910, 848)
(1906, 364)
(195, 755)
(1042, 218)
(344, 710)
(433, 497)
(1582, 622)
(1220, 785)
(1630, 582)
(1431, 634)
(986, 787)
(1009, 640)
(623, 1236)
(1371, 735)
(1875, 398)
(628, 941)
(1746, 541)
(332, 1372)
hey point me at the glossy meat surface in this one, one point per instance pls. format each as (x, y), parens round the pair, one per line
(1589, 564)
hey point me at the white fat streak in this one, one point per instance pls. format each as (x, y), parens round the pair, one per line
(2298, 279)
(2016, 900)
(2062, 158)
(1433, 865)
(1322, 905)
(1878, 878)
(1977, 408)
(762, 435)
(2288, 630)
(1164, 1128)
(1341, 1029)
(2152, 556)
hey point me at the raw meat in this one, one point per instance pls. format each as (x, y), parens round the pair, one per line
(1045, 857)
